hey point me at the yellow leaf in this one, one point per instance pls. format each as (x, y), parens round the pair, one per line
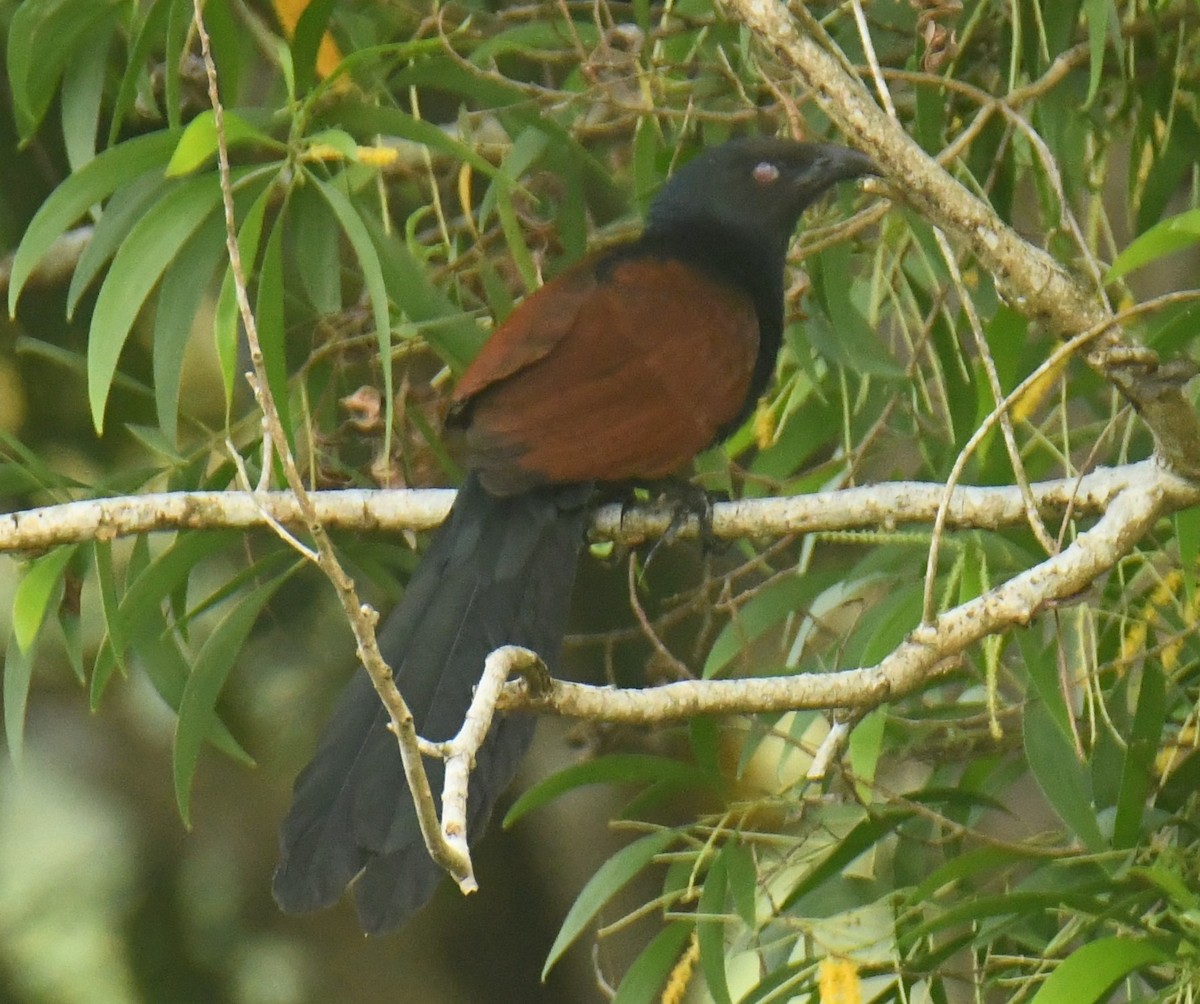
(764, 426)
(1035, 394)
(328, 53)
(838, 982)
(376, 156)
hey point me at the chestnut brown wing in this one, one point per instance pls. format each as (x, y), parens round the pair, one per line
(613, 377)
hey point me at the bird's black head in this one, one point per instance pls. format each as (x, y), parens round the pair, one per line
(755, 187)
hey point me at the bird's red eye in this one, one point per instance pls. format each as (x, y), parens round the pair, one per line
(766, 173)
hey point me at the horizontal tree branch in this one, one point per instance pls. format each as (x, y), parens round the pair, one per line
(926, 653)
(874, 506)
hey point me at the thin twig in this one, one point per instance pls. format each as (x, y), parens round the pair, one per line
(361, 617)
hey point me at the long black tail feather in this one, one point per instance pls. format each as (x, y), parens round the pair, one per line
(498, 572)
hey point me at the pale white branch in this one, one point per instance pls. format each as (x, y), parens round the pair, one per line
(875, 506)
(1027, 276)
(929, 651)
(460, 752)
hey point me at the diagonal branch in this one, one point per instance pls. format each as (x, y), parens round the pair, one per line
(1029, 278)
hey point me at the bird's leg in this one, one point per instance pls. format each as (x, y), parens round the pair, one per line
(686, 500)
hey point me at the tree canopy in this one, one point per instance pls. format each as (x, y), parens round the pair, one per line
(932, 720)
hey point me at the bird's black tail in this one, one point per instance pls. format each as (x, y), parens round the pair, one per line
(498, 572)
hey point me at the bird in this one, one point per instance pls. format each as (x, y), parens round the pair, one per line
(619, 370)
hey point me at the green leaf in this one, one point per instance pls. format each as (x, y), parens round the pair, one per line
(312, 244)
(168, 669)
(997, 910)
(197, 706)
(1096, 12)
(1041, 664)
(865, 748)
(230, 47)
(859, 840)
(368, 260)
(988, 861)
(526, 150)
(199, 140)
(225, 316)
(146, 36)
(1138, 772)
(1187, 536)
(1090, 972)
(143, 623)
(179, 22)
(18, 670)
(453, 335)
(182, 290)
(139, 610)
(1172, 234)
(110, 603)
(268, 315)
(609, 879)
(1060, 775)
(121, 213)
(1170, 882)
(768, 609)
(93, 183)
(644, 980)
(615, 768)
(82, 91)
(840, 331)
(337, 139)
(743, 881)
(37, 588)
(150, 247)
(307, 40)
(44, 36)
(71, 623)
(710, 929)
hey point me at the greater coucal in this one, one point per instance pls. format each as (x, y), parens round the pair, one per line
(621, 369)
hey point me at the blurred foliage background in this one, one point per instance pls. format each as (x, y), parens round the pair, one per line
(404, 173)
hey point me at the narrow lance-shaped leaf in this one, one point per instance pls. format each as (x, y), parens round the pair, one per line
(183, 288)
(368, 260)
(43, 37)
(1172, 234)
(93, 183)
(616, 768)
(82, 92)
(147, 588)
(110, 602)
(225, 319)
(270, 320)
(197, 708)
(198, 144)
(147, 34)
(33, 595)
(1138, 771)
(1090, 972)
(1060, 775)
(151, 245)
(609, 879)
(129, 204)
(307, 42)
(710, 931)
(643, 981)
(18, 669)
